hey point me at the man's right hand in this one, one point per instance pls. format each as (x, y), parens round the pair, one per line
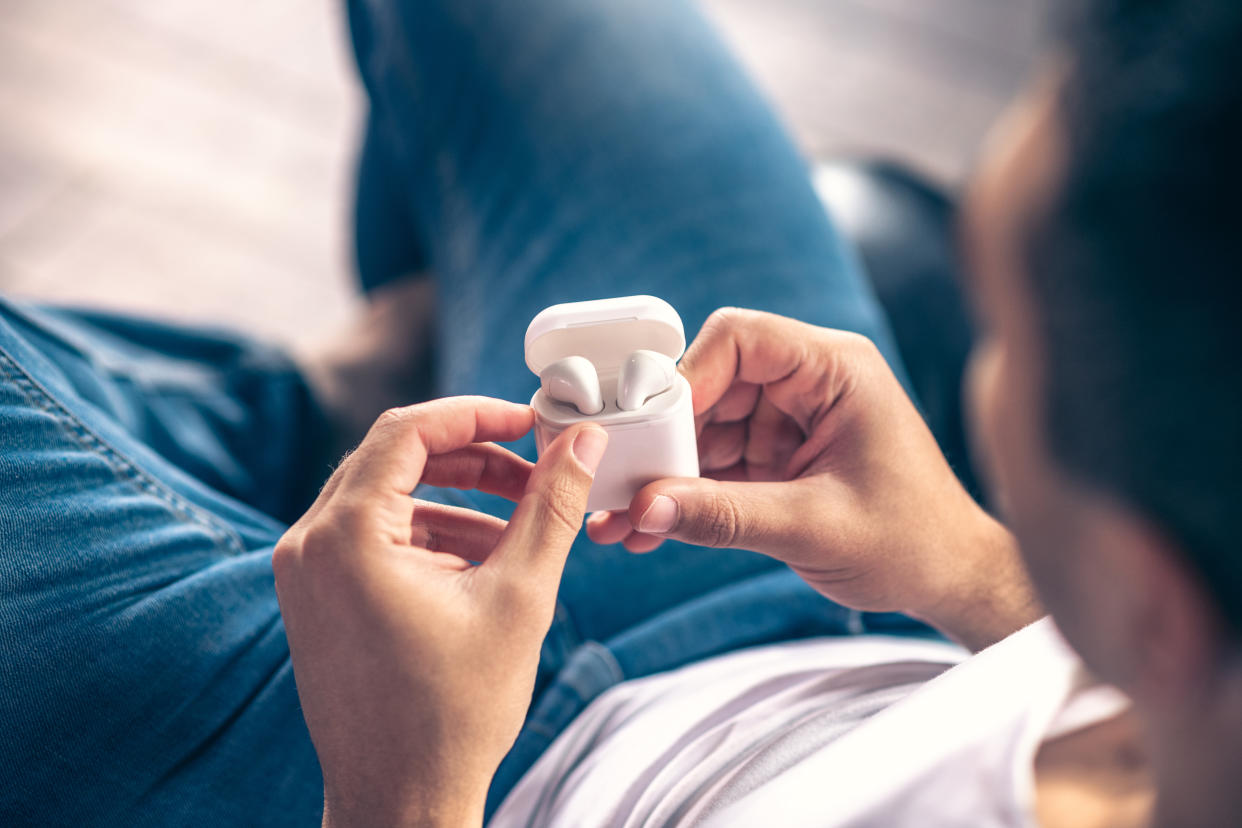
(813, 454)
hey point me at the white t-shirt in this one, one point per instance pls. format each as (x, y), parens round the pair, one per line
(867, 730)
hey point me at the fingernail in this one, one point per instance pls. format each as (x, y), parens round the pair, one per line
(589, 447)
(660, 517)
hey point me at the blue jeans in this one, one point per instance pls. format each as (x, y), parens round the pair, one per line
(525, 154)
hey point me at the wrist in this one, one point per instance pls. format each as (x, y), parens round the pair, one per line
(989, 594)
(419, 809)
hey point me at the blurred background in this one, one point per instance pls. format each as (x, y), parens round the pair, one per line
(193, 158)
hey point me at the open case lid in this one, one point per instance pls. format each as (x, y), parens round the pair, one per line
(605, 331)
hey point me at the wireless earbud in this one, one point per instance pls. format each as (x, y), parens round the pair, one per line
(573, 380)
(630, 345)
(643, 375)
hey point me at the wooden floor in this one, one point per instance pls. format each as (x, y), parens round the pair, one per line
(191, 158)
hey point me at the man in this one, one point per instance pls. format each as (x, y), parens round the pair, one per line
(1105, 396)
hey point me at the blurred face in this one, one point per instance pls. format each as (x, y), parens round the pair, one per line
(1116, 584)
(1054, 520)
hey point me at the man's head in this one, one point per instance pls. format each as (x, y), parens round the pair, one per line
(1105, 233)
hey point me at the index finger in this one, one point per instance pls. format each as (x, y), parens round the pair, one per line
(394, 453)
(485, 467)
(737, 345)
(791, 361)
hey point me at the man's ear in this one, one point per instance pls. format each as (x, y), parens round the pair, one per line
(1171, 626)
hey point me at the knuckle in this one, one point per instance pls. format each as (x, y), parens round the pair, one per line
(317, 543)
(724, 319)
(857, 345)
(720, 522)
(847, 356)
(561, 503)
(314, 548)
(394, 418)
(718, 329)
(867, 347)
(287, 554)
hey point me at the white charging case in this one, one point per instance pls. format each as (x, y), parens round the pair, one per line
(654, 442)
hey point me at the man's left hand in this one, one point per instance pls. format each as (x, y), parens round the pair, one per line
(414, 666)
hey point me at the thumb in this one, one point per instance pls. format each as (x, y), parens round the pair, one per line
(549, 515)
(761, 517)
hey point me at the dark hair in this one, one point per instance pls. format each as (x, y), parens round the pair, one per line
(1136, 269)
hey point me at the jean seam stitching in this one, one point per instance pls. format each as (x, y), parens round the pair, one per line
(125, 470)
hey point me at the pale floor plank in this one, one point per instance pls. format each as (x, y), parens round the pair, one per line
(192, 158)
(192, 180)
